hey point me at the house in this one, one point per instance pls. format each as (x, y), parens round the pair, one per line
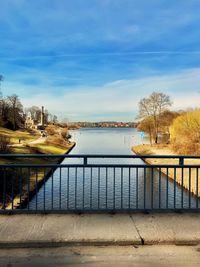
(31, 124)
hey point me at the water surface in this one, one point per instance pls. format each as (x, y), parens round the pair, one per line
(109, 188)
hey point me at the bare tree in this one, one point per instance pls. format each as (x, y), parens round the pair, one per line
(16, 110)
(35, 113)
(153, 107)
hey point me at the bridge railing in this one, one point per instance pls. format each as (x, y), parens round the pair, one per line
(98, 183)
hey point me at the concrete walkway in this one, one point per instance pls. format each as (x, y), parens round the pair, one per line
(99, 229)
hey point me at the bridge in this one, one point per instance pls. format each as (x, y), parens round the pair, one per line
(98, 183)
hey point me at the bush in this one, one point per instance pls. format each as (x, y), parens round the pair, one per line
(185, 147)
(56, 140)
(5, 147)
(64, 133)
(185, 133)
(51, 130)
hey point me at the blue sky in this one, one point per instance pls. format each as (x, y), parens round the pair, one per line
(95, 59)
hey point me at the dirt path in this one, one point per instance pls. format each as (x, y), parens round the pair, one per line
(40, 140)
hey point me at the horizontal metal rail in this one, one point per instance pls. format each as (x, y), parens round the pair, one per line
(97, 156)
(95, 186)
(94, 165)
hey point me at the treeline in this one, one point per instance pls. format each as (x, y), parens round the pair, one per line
(179, 129)
(13, 114)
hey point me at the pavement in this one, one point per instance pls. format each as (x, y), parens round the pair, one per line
(57, 230)
(112, 256)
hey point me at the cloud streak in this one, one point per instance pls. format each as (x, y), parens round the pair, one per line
(121, 97)
(96, 59)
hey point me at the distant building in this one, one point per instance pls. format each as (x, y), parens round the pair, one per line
(41, 125)
(30, 123)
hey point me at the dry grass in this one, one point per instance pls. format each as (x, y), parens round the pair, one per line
(26, 148)
(24, 135)
(193, 173)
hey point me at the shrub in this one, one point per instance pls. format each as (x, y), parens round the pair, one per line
(64, 133)
(5, 147)
(51, 130)
(185, 133)
(56, 140)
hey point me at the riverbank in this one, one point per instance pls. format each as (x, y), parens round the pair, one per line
(166, 150)
(35, 181)
(27, 142)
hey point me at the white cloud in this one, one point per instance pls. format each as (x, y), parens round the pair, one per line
(120, 97)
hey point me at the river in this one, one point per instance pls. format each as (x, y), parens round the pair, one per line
(106, 190)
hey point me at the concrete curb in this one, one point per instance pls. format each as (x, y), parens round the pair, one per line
(49, 244)
(35, 231)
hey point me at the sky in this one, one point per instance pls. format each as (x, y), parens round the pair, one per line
(95, 59)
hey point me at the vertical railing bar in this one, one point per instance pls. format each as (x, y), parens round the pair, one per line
(174, 188)
(75, 188)
(136, 188)
(68, 188)
(106, 187)
(44, 192)
(20, 187)
(122, 180)
(83, 188)
(182, 185)
(52, 195)
(144, 188)
(4, 189)
(114, 188)
(159, 187)
(12, 194)
(197, 187)
(167, 196)
(91, 188)
(36, 189)
(98, 187)
(189, 187)
(152, 185)
(129, 183)
(28, 187)
(60, 185)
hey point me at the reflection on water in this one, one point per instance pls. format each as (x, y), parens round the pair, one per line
(110, 188)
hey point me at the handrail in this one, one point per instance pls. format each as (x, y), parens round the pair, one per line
(85, 158)
(96, 156)
(117, 165)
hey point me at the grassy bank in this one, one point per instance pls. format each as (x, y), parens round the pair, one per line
(24, 178)
(33, 179)
(166, 150)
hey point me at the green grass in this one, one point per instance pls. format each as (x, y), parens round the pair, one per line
(50, 149)
(24, 135)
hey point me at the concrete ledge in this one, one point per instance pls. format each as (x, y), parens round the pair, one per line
(98, 229)
(59, 230)
(178, 229)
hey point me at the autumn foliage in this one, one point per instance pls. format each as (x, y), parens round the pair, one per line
(185, 133)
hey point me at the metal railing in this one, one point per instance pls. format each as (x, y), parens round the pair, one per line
(98, 183)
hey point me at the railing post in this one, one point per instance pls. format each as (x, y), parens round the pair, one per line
(181, 161)
(85, 161)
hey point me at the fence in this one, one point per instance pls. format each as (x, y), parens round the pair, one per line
(98, 183)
